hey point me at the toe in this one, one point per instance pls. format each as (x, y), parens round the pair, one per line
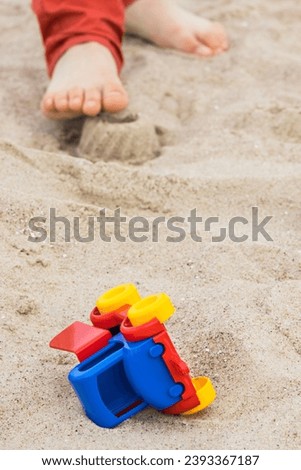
(114, 97)
(222, 36)
(92, 102)
(47, 104)
(76, 99)
(204, 51)
(215, 38)
(61, 101)
(225, 44)
(185, 41)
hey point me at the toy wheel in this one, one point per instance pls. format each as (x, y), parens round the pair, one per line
(155, 306)
(205, 393)
(113, 299)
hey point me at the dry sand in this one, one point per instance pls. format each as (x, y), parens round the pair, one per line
(226, 135)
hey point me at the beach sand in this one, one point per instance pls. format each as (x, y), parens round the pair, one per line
(221, 135)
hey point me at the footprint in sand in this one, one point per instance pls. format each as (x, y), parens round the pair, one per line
(279, 121)
(286, 123)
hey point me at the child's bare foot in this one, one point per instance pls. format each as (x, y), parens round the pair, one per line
(85, 81)
(168, 25)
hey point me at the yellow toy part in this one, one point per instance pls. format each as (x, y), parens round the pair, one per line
(154, 306)
(205, 393)
(113, 299)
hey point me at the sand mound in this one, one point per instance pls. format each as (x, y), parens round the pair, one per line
(125, 138)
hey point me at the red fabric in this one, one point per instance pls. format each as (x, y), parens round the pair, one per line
(66, 23)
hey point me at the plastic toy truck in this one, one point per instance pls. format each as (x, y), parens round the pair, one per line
(128, 361)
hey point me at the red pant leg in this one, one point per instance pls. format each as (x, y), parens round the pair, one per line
(66, 23)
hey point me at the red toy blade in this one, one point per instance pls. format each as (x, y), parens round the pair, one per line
(81, 339)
